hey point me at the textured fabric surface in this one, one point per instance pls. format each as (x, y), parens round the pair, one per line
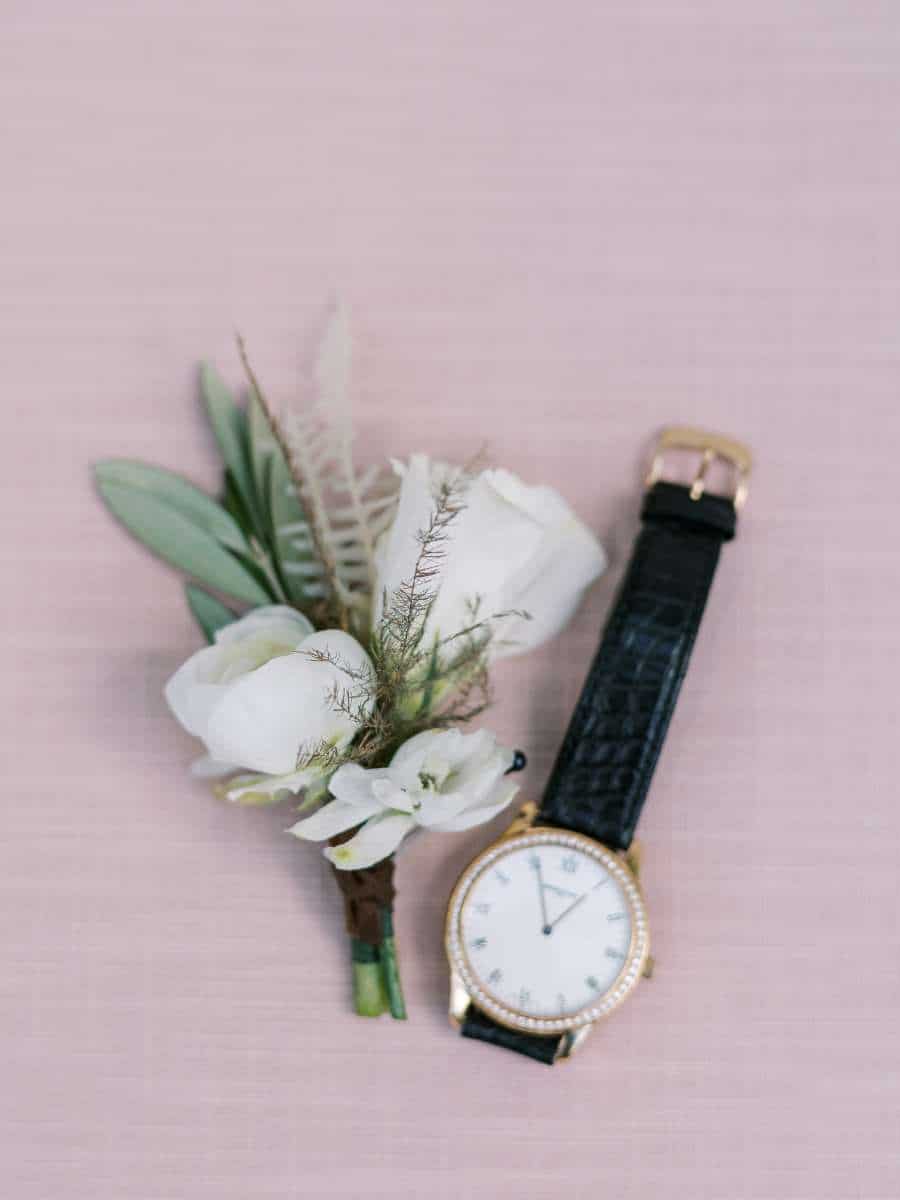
(559, 226)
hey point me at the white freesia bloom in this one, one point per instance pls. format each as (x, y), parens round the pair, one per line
(443, 780)
(512, 547)
(260, 694)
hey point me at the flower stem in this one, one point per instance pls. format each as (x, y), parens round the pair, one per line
(369, 996)
(390, 967)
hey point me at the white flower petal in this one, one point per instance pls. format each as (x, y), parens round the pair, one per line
(353, 783)
(477, 816)
(445, 743)
(409, 759)
(257, 699)
(399, 547)
(258, 721)
(191, 695)
(478, 776)
(550, 586)
(344, 649)
(439, 807)
(265, 789)
(264, 719)
(512, 547)
(392, 795)
(489, 541)
(476, 760)
(266, 619)
(335, 817)
(377, 839)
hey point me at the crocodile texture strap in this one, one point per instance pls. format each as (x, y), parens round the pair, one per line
(610, 750)
(477, 1025)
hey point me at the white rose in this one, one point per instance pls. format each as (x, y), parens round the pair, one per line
(512, 546)
(257, 697)
(442, 780)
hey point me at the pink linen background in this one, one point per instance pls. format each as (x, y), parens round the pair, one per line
(559, 227)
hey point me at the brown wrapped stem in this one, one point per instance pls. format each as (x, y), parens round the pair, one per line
(366, 893)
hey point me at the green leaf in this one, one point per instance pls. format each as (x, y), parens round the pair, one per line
(263, 448)
(233, 504)
(177, 539)
(269, 470)
(177, 493)
(286, 511)
(211, 614)
(229, 424)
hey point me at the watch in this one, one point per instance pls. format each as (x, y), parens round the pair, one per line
(546, 930)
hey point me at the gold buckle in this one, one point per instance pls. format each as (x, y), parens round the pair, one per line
(712, 447)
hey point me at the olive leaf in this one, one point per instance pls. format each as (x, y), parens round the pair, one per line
(210, 614)
(180, 534)
(262, 448)
(234, 505)
(176, 492)
(229, 424)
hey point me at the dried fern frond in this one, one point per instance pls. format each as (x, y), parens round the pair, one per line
(347, 510)
(344, 511)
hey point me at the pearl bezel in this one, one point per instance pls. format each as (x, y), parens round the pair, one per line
(632, 967)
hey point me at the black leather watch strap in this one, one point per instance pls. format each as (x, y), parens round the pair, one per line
(477, 1024)
(608, 755)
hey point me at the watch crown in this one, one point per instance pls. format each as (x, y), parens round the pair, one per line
(649, 967)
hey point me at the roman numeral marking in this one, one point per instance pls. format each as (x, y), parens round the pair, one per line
(620, 916)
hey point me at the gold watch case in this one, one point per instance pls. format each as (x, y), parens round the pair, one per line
(465, 988)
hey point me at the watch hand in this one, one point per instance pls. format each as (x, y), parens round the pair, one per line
(559, 891)
(565, 912)
(546, 927)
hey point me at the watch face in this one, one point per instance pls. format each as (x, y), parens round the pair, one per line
(547, 931)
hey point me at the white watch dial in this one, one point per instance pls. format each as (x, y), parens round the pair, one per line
(547, 930)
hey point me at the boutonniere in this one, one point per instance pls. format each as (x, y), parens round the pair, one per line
(352, 620)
